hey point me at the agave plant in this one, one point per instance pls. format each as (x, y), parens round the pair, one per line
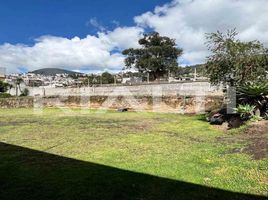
(255, 94)
(254, 89)
(246, 111)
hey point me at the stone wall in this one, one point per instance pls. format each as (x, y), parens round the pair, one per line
(17, 102)
(175, 104)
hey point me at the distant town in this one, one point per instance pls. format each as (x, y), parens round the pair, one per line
(59, 78)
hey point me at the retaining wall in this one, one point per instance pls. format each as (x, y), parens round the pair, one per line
(174, 104)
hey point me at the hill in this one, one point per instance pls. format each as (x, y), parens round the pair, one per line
(53, 71)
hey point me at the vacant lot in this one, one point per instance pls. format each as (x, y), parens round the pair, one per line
(93, 155)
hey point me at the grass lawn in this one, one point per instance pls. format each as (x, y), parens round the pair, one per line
(91, 155)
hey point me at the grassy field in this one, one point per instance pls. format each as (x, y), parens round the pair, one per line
(91, 155)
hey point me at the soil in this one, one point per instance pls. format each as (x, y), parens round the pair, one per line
(255, 138)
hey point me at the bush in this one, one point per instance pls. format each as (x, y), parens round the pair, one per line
(255, 94)
(5, 95)
(254, 90)
(24, 93)
(246, 111)
(3, 87)
(256, 118)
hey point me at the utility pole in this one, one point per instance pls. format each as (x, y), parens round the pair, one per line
(114, 79)
(44, 91)
(148, 77)
(195, 74)
(16, 90)
(168, 75)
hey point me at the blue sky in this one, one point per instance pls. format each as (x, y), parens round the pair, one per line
(89, 35)
(24, 20)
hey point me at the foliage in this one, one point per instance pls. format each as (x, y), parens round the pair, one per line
(25, 92)
(104, 78)
(4, 87)
(92, 79)
(256, 118)
(18, 81)
(157, 56)
(188, 71)
(245, 111)
(252, 89)
(254, 94)
(107, 78)
(235, 61)
(5, 95)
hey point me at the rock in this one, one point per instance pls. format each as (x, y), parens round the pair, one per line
(122, 109)
(217, 119)
(235, 122)
(257, 112)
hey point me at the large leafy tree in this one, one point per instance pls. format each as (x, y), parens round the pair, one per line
(107, 78)
(235, 61)
(157, 55)
(104, 78)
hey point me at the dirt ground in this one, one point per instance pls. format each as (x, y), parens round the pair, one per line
(255, 138)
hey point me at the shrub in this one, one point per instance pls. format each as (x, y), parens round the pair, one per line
(254, 90)
(256, 118)
(3, 87)
(255, 94)
(24, 93)
(246, 111)
(5, 95)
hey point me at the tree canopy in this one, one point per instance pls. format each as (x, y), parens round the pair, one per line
(157, 55)
(104, 78)
(107, 78)
(235, 61)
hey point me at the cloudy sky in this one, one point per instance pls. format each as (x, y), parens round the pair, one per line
(89, 35)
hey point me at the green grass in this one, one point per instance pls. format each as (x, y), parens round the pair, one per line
(93, 155)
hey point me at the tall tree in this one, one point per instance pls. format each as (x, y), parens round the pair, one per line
(107, 78)
(235, 61)
(157, 55)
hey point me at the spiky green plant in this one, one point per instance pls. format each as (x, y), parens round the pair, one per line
(254, 89)
(246, 111)
(254, 94)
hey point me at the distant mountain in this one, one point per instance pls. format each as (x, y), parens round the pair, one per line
(53, 71)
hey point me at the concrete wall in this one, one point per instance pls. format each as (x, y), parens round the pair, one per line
(188, 97)
(192, 88)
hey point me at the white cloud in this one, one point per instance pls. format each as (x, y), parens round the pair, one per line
(94, 22)
(92, 52)
(188, 20)
(123, 37)
(185, 20)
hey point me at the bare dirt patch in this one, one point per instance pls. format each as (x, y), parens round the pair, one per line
(255, 139)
